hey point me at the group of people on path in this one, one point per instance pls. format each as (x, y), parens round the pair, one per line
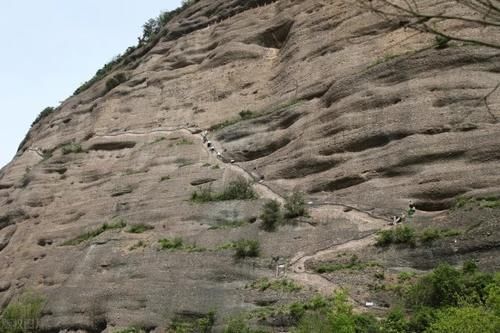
(403, 217)
(211, 147)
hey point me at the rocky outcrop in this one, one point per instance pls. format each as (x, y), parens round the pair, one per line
(317, 96)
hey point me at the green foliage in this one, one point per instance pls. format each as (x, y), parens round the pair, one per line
(295, 205)
(171, 244)
(313, 323)
(22, 315)
(271, 215)
(467, 319)
(441, 41)
(429, 235)
(204, 194)
(239, 189)
(398, 235)
(117, 223)
(203, 324)
(178, 244)
(139, 228)
(284, 285)
(246, 114)
(115, 81)
(71, 148)
(246, 248)
(468, 203)
(228, 224)
(395, 322)
(151, 33)
(164, 178)
(45, 112)
(447, 286)
(130, 330)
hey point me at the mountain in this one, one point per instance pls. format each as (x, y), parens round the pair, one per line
(119, 214)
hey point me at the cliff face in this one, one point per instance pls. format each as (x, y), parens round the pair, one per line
(359, 113)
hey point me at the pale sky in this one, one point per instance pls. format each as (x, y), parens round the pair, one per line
(49, 47)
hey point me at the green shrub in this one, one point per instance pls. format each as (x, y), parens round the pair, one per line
(178, 244)
(203, 324)
(22, 315)
(441, 41)
(429, 235)
(398, 235)
(171, 244)
(295, 205)
(246, 248)
(284, 285)
(45, 112)
(117, 223)
(115, 81)
(246, 114)
(271, 215)
(384, 238)
(164, 178)
(204, 194)
(71, 148)
(467, 319)
(404, 235)
(131, 330)
(239, 189)
(139, 228)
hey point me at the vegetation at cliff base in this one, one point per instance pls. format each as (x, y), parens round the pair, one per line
(239, 189)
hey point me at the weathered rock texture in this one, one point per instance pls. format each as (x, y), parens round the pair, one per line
(361, 114)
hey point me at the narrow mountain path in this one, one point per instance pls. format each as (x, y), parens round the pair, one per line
(297, 265)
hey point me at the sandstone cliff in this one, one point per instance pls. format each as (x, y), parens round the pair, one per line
(322, 97)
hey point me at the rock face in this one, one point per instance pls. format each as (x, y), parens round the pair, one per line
(317, 96)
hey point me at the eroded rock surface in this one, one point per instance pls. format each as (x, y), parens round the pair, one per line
(361, 115)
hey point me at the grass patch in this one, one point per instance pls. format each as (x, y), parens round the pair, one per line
(71, 148)
(139, 228)
(429, 235)
(23, 314)
(239, 189)
(216, 167)
(202, 324)
(228, 224)
(284, 285)
(398, 235)
(177, 243)
(469, 203)
(117, 223)
(164, 178)
(407, 235)
(246, 248)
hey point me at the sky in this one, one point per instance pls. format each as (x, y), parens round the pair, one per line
(49, 47)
